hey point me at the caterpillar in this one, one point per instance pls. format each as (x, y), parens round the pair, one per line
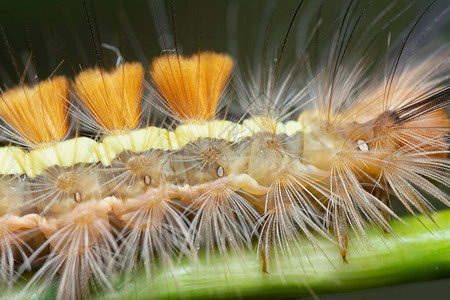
(130, 167)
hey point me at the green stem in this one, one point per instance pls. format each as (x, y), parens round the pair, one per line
(418, 253)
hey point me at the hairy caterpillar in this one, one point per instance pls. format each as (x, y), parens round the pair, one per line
(318, 155)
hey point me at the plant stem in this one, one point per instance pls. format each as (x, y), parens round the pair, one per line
(418, 253)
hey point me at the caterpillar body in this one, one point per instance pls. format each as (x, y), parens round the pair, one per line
(317, 159)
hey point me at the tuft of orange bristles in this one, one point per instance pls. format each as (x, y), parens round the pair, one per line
(112, 98)
(39, 113)
(192, 86)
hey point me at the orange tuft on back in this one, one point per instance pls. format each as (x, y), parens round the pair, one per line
(39, 114)
(112, 98)
(192, 86)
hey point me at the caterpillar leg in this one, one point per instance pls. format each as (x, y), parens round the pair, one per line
(223, 219)
(82, 248)
(14, 231)
(292, 209)
(154, 229)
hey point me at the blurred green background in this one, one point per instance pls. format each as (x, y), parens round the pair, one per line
(57, 34)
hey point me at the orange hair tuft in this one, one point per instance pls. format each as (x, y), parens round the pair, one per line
(192, 86)
(112, 98)
(39, 114)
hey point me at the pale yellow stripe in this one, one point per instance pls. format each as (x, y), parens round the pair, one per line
(85, 150)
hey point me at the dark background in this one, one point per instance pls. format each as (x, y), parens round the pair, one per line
(57, 30)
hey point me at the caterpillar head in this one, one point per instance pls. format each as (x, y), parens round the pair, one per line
(417, 128)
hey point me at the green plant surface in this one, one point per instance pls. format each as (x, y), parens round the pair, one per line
(420, 251)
